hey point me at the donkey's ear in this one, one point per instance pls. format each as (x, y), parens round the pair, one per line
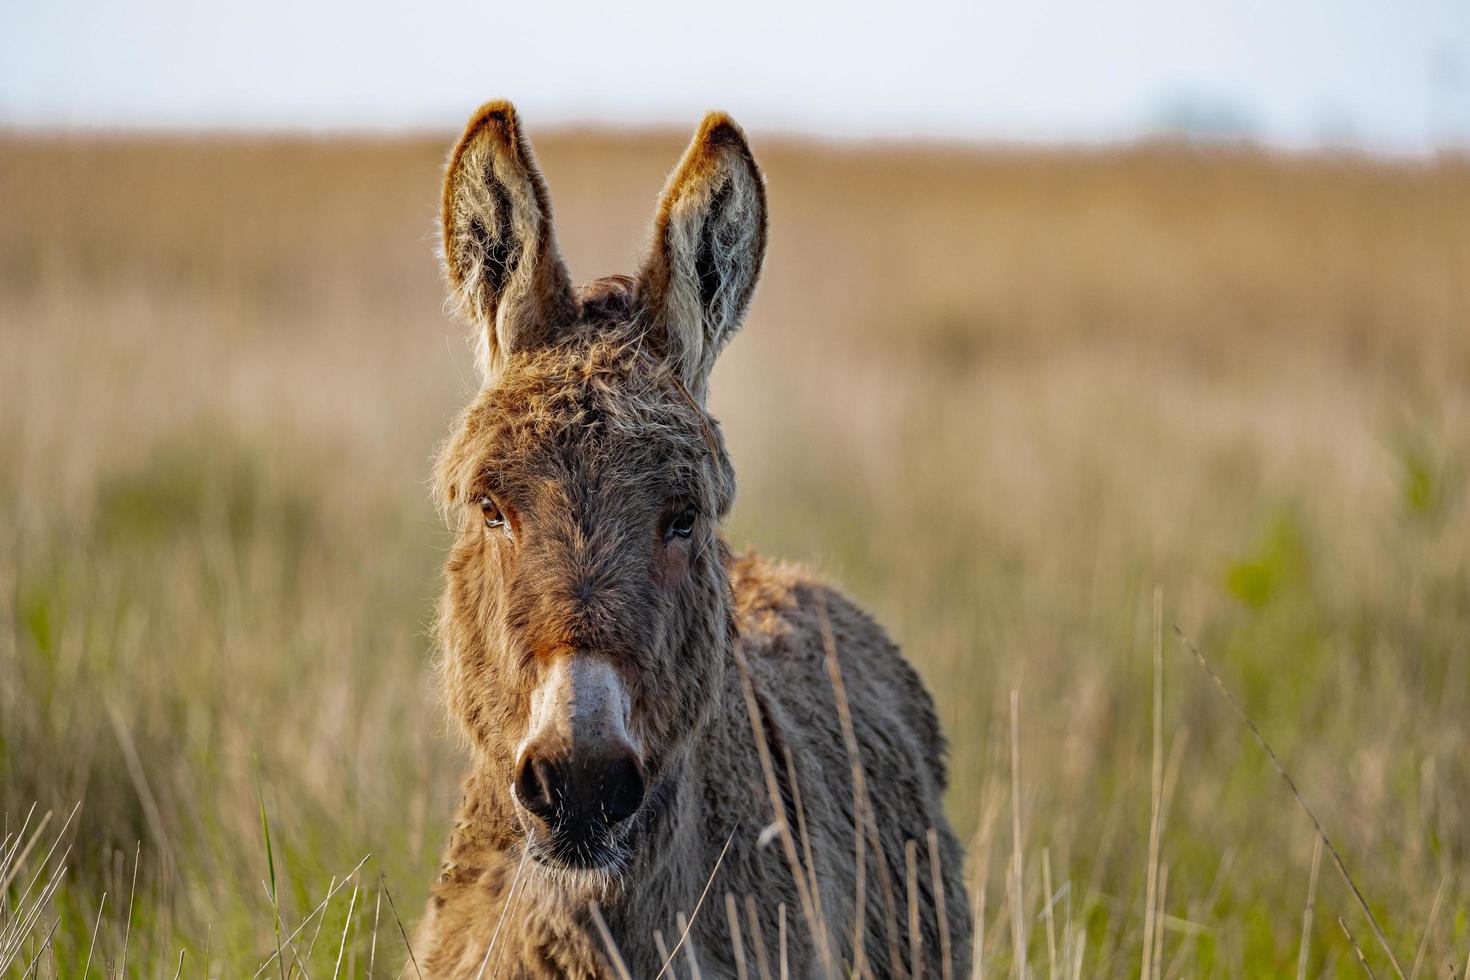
(500, 253)
(709, 238)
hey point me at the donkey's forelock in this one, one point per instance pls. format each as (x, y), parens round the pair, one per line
(601, 389)
(609, 302)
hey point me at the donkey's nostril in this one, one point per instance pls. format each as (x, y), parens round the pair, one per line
(623, 789)
(538, 788)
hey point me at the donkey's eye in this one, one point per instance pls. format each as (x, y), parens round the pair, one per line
(494, 518)
(681, 525)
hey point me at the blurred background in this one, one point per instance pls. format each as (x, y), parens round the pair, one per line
(1065, 307)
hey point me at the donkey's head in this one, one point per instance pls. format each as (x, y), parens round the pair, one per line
(586, 618)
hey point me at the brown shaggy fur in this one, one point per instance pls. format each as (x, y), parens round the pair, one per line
(588, 434)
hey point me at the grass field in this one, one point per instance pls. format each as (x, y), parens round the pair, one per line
(1001, 396)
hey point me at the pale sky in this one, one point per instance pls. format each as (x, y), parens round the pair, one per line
(1387, 75)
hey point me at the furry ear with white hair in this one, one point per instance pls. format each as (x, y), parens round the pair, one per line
(500, 253)
(709, 240)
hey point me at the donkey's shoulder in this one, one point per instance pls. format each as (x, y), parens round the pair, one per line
(786, 617)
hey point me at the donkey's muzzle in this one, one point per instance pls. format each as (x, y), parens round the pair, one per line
(578, 774)
(578, 800)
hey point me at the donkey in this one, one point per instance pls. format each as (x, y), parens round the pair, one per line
(675, 749)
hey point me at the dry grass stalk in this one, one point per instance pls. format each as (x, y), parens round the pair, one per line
(911, 880)
(664, 955)
(347, 924)
(97, 925)
(128, 929)
(781, 941)
(946, 953)
(1047, 912)
(1016, 884)
(1309, 910)
(1356, 948)
(1428, 928)
(814, 888)
(737, 942)
(691, 955)
(1156, 794)
(608, 945)
(1159, 917)
(757, 938)
(862, 814)
(980, 851)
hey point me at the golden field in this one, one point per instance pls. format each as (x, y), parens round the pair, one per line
(1003, 396)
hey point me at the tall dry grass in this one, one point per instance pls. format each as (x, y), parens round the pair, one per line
(1002, 396)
